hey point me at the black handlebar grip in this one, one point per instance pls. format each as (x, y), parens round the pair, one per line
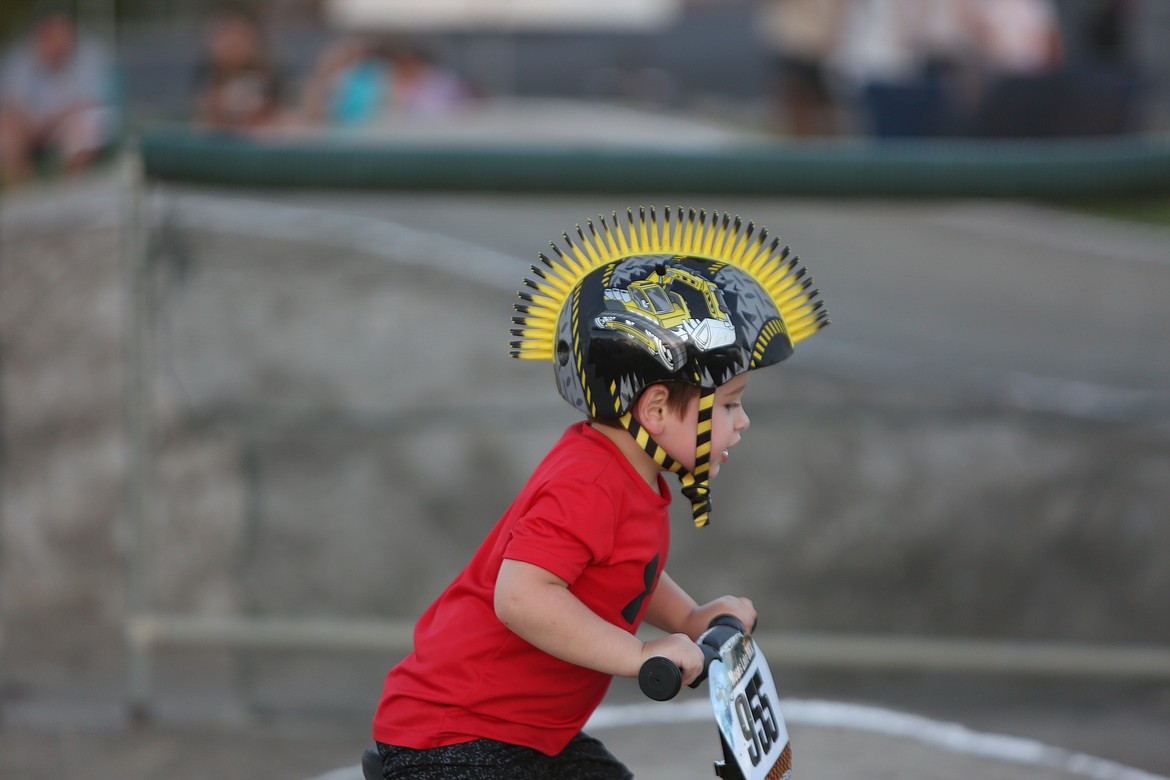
(660, 678)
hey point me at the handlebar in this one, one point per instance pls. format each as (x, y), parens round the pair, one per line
(661, 679)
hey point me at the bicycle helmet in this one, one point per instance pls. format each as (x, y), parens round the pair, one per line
(685, 298)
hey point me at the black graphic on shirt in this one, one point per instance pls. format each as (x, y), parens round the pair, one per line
(648, 576)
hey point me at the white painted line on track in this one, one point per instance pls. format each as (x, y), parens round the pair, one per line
(371, 235)
(403, 244)
(950, 737)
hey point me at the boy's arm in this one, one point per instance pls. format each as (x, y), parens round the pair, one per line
(672, 610)
(537, 605)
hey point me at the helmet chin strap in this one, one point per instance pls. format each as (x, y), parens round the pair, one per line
(695, 484)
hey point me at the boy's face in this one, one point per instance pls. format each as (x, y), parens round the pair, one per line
(728, 421)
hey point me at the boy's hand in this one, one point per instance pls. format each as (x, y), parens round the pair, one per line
(680, 649)
(673, 611)
(739, 606)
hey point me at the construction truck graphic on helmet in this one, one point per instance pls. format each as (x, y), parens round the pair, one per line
(655, 313)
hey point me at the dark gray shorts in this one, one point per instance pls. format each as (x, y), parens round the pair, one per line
(584, 758)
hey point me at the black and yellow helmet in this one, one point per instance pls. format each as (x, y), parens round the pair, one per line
(681, 297)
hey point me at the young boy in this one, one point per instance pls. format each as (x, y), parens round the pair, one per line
(651, 331)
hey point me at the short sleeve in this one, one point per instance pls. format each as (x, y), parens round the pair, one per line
(568, 526)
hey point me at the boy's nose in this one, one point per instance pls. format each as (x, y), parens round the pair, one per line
(744, 421)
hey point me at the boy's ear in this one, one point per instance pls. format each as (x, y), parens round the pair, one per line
(652, 408)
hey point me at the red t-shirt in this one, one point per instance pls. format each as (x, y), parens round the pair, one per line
(586, 516)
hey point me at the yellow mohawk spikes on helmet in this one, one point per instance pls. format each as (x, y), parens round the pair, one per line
(717, 238)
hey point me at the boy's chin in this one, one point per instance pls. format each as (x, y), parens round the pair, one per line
(717, 464)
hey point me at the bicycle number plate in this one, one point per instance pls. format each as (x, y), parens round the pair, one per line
(746, 707)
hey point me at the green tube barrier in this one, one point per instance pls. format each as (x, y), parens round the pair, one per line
(1048, 169)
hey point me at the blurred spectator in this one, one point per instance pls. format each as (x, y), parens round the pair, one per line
(420, 87)
(56, 99)
(1019, 37)
(238, 86)
(358, 81)
(950, 63)
(350, 84)
(1022, 49)
(801, 35)
(884, 56)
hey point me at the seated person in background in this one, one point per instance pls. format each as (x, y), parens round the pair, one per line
(800, 36)
(56, 99)
(1022, 50)
(350, 84)
(358, 81)
(421, 88)
(238, 87)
